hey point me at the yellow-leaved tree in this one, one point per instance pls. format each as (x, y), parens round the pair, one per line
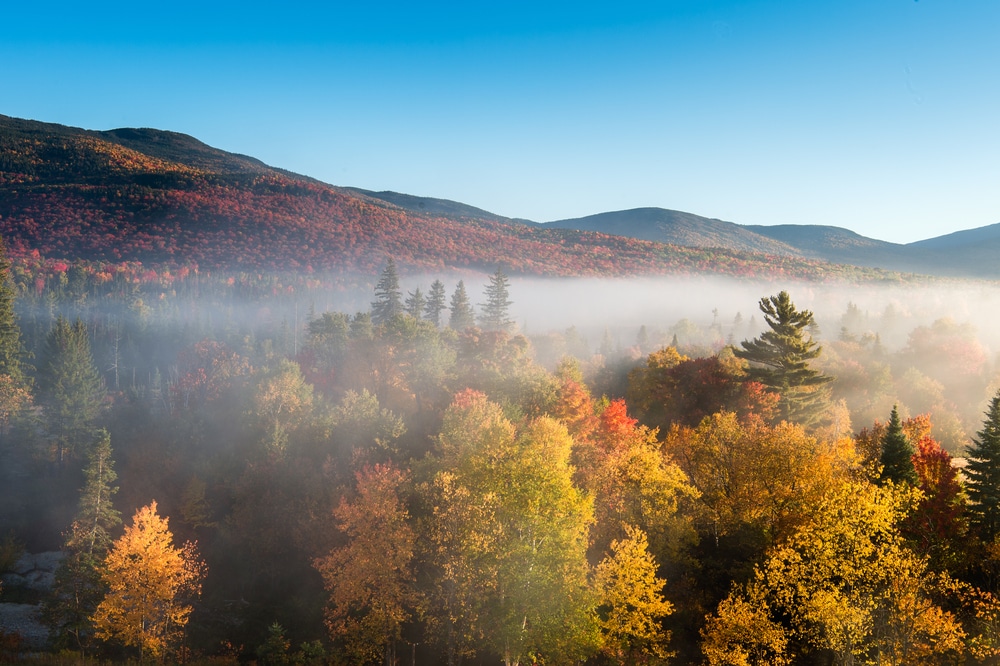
(149, 581)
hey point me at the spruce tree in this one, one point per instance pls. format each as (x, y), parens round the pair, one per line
(78, 587)
(462, 315)
(779, 359)
(435, 304)
(70, 387)
(388, 302)
(15, 385)
(897, 453)
(496, 311)
(415, 302)
(983, 474)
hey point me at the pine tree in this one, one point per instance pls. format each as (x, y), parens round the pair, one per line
(779, 359)
(70, 388)
(415, 302)
(388, 302)
(462, 315)
(983, 473)
(78, 587)
(435, 303)
(897, 453)
(496, 311)
(12, 353)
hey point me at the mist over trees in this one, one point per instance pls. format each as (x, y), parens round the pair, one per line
(379, 483)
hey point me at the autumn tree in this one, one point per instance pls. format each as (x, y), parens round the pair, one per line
(632, 603)
(388, 301)
(462, 314)
(149, 583)
(936, 526)
(843, 584)
(15, 385)
(983, 472)
(495, 315)
(370, 579)
(897, 453)
(436, 303)
(779, 358)
(70, 388)
(78, 587)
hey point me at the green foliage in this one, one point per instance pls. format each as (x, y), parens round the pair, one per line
(462, 314)
(388, 303)
(495, 315)
(897, 454)
(779, 359)
(983, 473)
(435, 304)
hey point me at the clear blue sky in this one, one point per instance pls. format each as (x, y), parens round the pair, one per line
(882, 116)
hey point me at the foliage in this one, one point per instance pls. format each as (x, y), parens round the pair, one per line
(897, 454)
(983, 472)
(462, 315)
(388, 298)
(149, 580)
(779, 358)
(495, 315)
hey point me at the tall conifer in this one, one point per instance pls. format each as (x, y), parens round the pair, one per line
(496, 311)
(462, 315)
(436, 303)
(388, 301)
(983, 473)
(897, 453)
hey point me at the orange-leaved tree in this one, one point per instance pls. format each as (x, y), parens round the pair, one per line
(149, 581)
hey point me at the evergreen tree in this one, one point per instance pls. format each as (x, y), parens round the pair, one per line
(983, 474)
(462, 314)
(897, 453)
(435, 304)
(388, 302)
(70, 388)
(12, 353)
(779, 359)
(496, 310)
(415, 302)
(78, 588)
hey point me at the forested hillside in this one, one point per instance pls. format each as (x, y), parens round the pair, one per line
(420, 481)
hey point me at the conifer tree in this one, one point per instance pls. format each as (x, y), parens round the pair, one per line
(496, 311)
(415, 302)
(78, 587)
(983, 473)
(462, 315)
(70, 388)
(435, 304)
(779, 359)
(897, 453)
(12, 352)
(388, 301)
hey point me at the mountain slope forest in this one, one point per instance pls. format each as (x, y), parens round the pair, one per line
(229, 458)
(168, 201)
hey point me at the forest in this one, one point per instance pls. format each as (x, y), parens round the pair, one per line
(233, 475)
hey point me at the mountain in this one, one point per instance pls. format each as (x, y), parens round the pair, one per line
(163, 198)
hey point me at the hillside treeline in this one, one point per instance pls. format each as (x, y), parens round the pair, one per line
(419, 482)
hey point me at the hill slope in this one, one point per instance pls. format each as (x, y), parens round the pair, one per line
(161, 197)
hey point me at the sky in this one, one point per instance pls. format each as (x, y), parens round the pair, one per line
(880, 116)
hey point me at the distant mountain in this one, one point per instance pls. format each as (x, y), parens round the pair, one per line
(158, 197)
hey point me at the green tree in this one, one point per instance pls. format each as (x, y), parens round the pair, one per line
(436, 303)
(388, 301)
(149, 581)
(415, 303)
(70, 388)
(897, 453)
(779, 359)
(983, 474)
(462, 314)
(12, 352)
(496, 311)
(78, 587)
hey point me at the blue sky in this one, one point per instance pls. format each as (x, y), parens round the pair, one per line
(876, 115)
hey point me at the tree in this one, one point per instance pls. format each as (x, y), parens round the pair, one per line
(149, 581)
(78, 587)
(779, 359)
(897, 453)
(71, 389)
(415, 303)
(983, 473)
(12, 352)
(496, 311)
(435, 304)
(462, 315)
(632, 603)
(370, 580)
(388, 301)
